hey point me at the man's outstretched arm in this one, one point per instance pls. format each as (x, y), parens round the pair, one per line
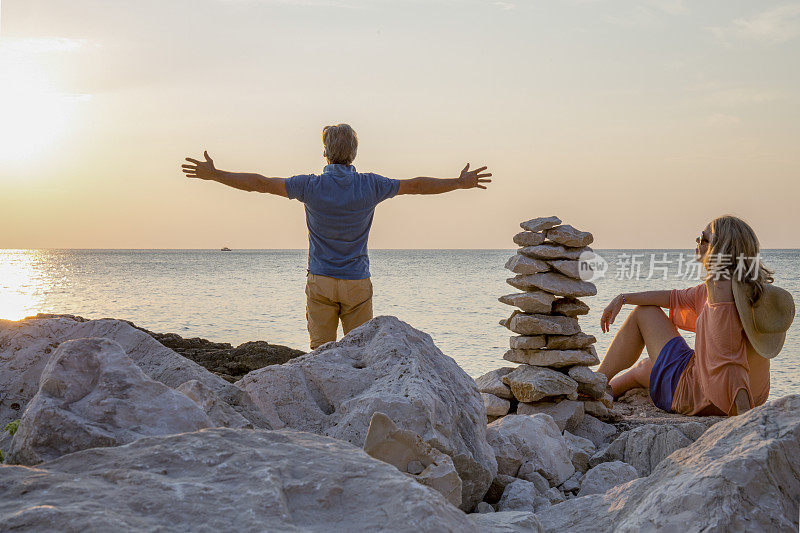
(468, 179)
(244, 181)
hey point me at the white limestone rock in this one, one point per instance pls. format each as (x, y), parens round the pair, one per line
(540, 224)
(605, 476)
(581, 451)
(598, 409)
(603, 408)
(607, 400)
(596, 431)
(535, 439)
(573, 484)
(92, 395)
(406, 451)
(530, 302)
(495, 406)
(26, 346)
(521, 264)
(527, 342)
(520, 495)
(584, 374)
(497, 487)
(570, 342)
(536, 324)
(570, 307)
(223, 480)
(554, 495)
(528, 472)
(590, 383)
(483, 507)
(507, 522)
(388, 366)
(568, 236)
(645, 446)
(554, 283)
(569, 267)
(740, 475)
(492, 383)
(221, 414)
(528, 238)
(567, 414)
(5, 438)
(554, 358)
(549, 251)
(533, 383)
(506, 322)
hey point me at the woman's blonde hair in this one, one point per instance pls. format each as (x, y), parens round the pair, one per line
(734, 252)
(341, 144)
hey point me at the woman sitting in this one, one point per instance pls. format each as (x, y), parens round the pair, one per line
(740, 319)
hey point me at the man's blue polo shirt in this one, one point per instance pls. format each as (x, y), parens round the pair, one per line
(340, 204)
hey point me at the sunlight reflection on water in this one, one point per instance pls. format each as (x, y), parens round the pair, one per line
(259, 294)
(22, 286)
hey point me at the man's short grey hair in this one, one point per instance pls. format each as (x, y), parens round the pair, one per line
(340, 143)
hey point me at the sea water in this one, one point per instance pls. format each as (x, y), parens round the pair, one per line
(246, 295)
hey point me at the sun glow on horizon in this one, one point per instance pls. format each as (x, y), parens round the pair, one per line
(33, 114)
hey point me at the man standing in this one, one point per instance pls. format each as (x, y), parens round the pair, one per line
(340, 204)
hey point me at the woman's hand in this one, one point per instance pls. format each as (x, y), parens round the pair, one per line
(610, 313)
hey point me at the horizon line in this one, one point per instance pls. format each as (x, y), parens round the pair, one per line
(306, 249)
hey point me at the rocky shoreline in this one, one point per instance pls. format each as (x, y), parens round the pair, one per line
(228, 362)
(122, 428)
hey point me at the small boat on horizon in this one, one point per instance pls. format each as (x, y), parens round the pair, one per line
(225, 249)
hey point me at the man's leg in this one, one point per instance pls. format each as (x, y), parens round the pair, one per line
(322, 313)
(356, 303)
(647, 326)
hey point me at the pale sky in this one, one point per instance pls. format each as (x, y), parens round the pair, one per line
(636, 120)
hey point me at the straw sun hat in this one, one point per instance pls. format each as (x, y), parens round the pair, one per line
(766, 322)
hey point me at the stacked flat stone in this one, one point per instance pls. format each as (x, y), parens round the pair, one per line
(554, 355)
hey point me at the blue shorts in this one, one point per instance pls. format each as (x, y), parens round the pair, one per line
(667, 370)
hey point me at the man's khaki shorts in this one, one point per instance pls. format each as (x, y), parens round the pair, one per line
(329, 299)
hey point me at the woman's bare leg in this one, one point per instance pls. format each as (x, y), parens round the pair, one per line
(637, 376)
(646, 327)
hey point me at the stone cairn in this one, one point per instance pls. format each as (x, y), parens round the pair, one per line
(554, 354)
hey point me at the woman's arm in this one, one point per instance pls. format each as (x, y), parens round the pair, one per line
(659, 298)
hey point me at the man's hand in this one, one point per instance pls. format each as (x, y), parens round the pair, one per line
(204, 170)
(471, 178)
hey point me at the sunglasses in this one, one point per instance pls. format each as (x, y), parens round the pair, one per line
(702, 239)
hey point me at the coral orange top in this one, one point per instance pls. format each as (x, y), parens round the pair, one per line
(724, 361)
